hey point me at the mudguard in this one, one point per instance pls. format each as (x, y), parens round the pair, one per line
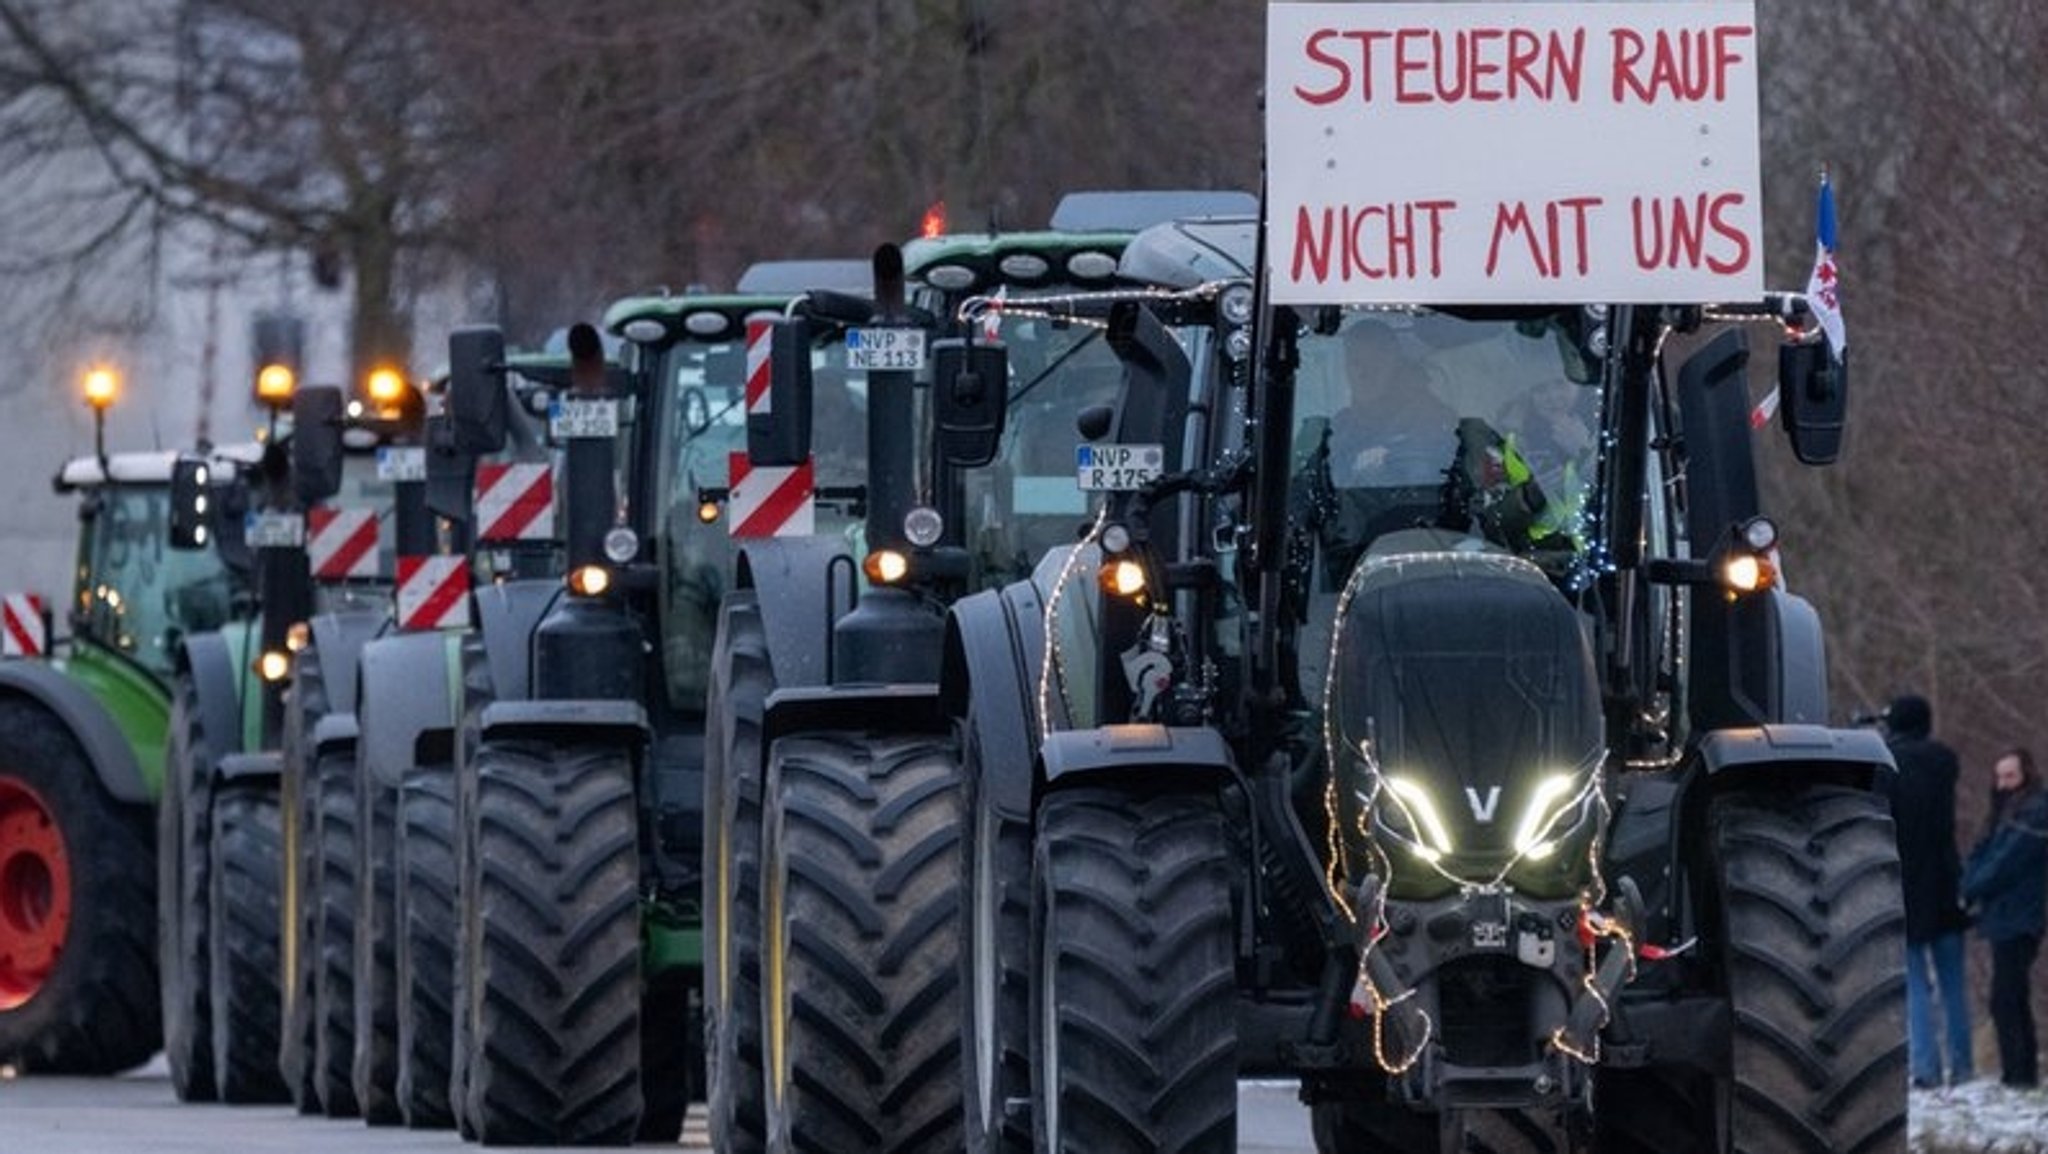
(251, 768)
(1847, 756)
(1802, 662)
(791, 576)
(209, 661)
(507, 614)
(808, 709)
(1180, 753)
(333, 731)
(404, 691)
(338, 640)
(567, 722)
(106, 748)
(987, 682)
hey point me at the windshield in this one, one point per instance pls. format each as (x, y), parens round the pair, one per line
(137, 595)
(1028, 502)
(706, 423)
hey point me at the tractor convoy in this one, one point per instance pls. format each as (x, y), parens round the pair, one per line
(997, 694)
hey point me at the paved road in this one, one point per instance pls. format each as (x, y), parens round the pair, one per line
(138, 1113)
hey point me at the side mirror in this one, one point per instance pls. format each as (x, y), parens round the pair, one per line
(1814, 400)
(970, 396)
(477, 405)
(190, 481)
(450, 474)
(316, 443)
(778, 392)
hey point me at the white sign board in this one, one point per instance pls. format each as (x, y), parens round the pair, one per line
(1531, 152)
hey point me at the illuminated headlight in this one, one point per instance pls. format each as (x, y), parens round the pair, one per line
(1432, 837)
(705, 323)
(950, 277)
(1091, 265)
(199, 502)
(589, 580)
(644, 330)
(297, 636)
(1235, 303)
(886, 566)
(922, 526)
(1747, 573)
(1548, 805)
(1123, 577)
(1238, 345)
(200, 476)
(1024, 266)
(621, 545)
(707, 512)
(274, 665)
(1116, 539)
(199, 534)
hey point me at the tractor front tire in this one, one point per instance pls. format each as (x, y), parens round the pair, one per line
(557, 997)
(426, 946)
(244, 969)
(1134, 1001)
(860, 957)
(373, 1067)
(184, 860)
(333, 956)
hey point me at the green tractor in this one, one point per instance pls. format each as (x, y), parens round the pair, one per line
(82, 755)
(1432, 726)
(834, 784)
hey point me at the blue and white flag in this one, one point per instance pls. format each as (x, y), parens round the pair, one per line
(1823, 294)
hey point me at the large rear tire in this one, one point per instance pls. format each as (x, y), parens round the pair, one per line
(478, 691)
(334, 899)
(1813, 950)
(557, 1031)
(860, 956)
(78, 957)
(741, 679)
(373, 1066)
(184, 861)
(248, 847)
(1134, 1002)
(995, 947)
(426, 946)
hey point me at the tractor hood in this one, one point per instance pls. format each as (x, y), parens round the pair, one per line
(1465, 710)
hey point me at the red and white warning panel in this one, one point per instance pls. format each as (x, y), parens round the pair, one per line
(23, 632)
(765, 502)
(341, 544)
(515, 502)
(433, 593)
(760, 340)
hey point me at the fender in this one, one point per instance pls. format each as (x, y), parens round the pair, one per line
(987, 683)
(254, 768)
(1802, 662)
(207, 660)
(106, 747)
(598, 721)
(811, 708)
(334, 731)
(507, 614)
(1185, 754)
(404, 691)
(1779, 752)
(790, 574)
(338, 640)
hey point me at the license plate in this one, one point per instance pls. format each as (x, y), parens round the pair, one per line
(572, 419)
(1118, 468)
(401, 463)
(885, 350)
(274, 530)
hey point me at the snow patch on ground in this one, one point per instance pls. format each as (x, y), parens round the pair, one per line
(1980, 1117)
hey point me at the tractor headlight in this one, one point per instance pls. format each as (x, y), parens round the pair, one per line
(1427, 834)
(886, 566)
(1124, 577)
(1234, 304)
(621, 545)
(274, 665)
(923, 526)
(589, 580)
(1551, 802)
(1747, 573)
(297, 636)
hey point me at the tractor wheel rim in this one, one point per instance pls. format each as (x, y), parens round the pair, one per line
(35, 892)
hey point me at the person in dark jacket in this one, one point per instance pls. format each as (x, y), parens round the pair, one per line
(2007, 876)
(1923, 800)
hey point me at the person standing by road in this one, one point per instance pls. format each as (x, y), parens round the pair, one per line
(2007, 875)
(1923, 800)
